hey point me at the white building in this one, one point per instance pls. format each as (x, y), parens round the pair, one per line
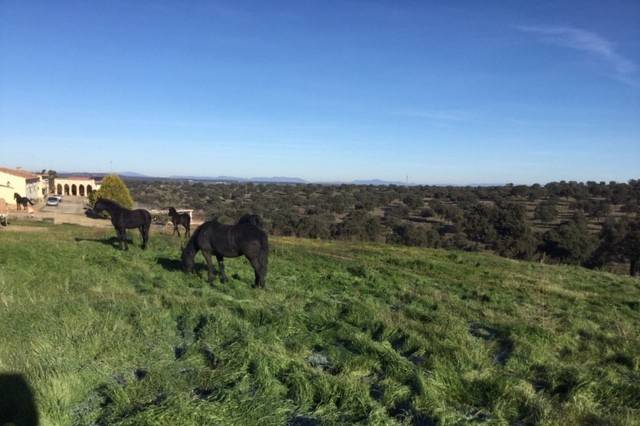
(80, 186)
(21, 182)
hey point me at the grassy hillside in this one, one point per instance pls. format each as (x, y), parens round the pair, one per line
(344, 333)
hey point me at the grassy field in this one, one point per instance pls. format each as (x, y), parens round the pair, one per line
(344, 333)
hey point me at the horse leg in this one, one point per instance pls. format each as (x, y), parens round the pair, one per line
(176, 229)
(188, 231)
(124, 239)
(207, 257)
(262, 270)
(144, 234)
(120, 238)
(223, 276)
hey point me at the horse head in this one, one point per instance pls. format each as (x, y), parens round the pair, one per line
(97, 206)
(188, 258)
(172, 211)
(100, 206)
(16, 196)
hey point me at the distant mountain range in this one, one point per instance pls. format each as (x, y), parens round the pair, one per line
(377, 182)
(286, 179)
(191, 177)
(260, 179)
(278, 179)
(132, 174)
(274, 179)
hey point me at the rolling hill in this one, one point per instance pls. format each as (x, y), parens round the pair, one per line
(344, 333)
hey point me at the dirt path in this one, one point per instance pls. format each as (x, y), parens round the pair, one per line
(21, 228)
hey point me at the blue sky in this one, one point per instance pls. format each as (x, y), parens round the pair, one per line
(444, 92)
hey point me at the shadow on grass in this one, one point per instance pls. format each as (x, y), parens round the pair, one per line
(175, 265)
(17, 403)
(505, 344)
(111, 241)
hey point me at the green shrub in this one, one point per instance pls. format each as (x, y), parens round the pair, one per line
(114, 189)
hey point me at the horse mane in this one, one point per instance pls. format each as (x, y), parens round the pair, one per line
(252, 219)
(109, 203)
(191, 247)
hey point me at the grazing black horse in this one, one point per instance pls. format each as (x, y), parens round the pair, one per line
(180, 219)
(123, 219)
(21, 201)
(244, 238)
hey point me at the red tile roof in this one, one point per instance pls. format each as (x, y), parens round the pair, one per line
(20, 173)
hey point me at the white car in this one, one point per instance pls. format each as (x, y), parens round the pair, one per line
(53, 201)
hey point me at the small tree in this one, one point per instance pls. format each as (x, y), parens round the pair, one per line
(631, 247)
(619, 242)
(413, 201)
(569, 243)
(51, 175)
(114, 189)
(546, 212)
(600, 210)
(427, 212)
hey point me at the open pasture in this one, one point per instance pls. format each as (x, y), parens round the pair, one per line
(343, 333)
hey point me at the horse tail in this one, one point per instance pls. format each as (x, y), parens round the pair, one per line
(263, 259)
(29, 201)
(147, 217)
(252, 219)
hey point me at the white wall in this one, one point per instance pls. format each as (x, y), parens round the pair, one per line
(10, 184)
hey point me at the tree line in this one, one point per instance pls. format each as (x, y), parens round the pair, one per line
(593, 224)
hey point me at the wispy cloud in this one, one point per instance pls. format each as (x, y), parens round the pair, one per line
(624, 69)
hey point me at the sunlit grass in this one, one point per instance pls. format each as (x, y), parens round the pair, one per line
(344, 333)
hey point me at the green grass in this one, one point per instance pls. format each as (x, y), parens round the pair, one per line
(344, 333)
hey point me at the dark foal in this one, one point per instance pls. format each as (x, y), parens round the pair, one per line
(180, 219)
(243, 238)
(123, 219)
(21, 201)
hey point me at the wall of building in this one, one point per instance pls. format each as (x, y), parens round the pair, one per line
(44, 186)
(9, 185)
(32, 189)
(75, 187)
